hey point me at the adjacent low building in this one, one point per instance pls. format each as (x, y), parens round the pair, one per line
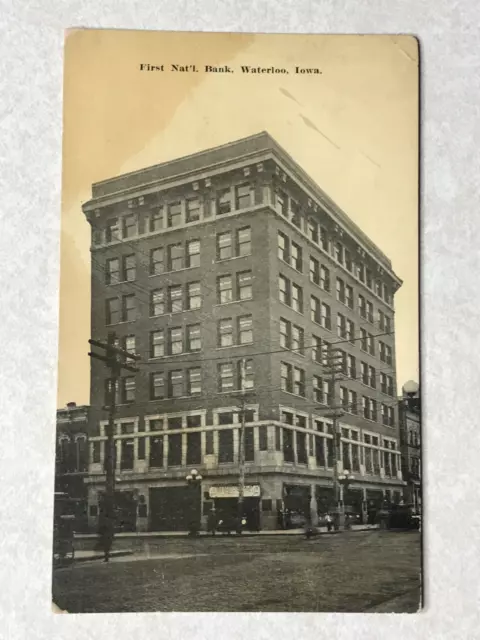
(231, 274)
(410, 443)
(71, 460)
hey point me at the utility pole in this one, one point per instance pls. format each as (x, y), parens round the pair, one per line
(115, 359)
(333, 362)
(241, 450)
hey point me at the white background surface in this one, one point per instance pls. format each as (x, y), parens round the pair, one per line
(31, 46)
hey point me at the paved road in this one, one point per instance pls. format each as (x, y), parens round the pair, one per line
(352, 571)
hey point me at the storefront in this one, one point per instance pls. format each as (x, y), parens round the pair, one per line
(224, 499)
(174, 508)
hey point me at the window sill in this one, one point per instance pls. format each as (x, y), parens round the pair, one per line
(173, 355)
(167, 273)
(290, 265)
(222, 260)
(321, 325)
(240, 300)
(319, 286)
(295, 395)
(300, 313)
(116, 324)
(234, 346)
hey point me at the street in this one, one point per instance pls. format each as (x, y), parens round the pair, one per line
(347, 572)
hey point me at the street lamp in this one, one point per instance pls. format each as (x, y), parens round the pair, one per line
(344, 480)
(194, 480)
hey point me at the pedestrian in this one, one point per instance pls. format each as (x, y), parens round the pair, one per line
(106, 537)
(329, 521)
(212, 522)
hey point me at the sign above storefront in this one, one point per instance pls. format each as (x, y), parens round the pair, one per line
(231, 491)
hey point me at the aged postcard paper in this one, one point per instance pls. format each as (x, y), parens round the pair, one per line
(239, 408)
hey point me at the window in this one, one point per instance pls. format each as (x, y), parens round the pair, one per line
(368, 278)
(156, 425)
(383, 383)
(296, 257)
(298, 340)
(194, 299)
(97, 236)
(315, 313)
(129, 268)
(245, 333)
(378, 288)
(175, 300)
(249, 445)
(244, 241)
(369, 311)
(388, 324)
(126, 454)
(194, 421)
(391, 417)
(174, 214)
(193, 253)
(174, 449)
(324, 278)
(128, 308)
(324, 238)
(209, 450)
(363, 340)
(281, 203)
(316, 349)
(111, 230)
(112, 271)
(113, 314)
(287, 417)
(344, 398)
(262, 438)
(175, 383)
(314, 271)
(278, 438)
(157, 303)
(225, 446)
(386, 294)
(224, 246)
(194, 381)
(326, 320)
(362, 306)
(352, 402)
(225, 377)
(341, 326)
(194, 448)
(156, 261)
(156, 220)
(284, 289)
(284, 333)
(313, 230)
(301, 447)
(318, 390)
(372, 380)
(244, 285)
(299, 382)
(175, 257)
(157, 344)
(224, 289)
(364, 369)
(193, 210)
(371, 344)
(348, 261)
(129, 226)
(225, 332)
(225, 417)
(175, 341)
(286, 375)
(224, 201)
(194, 339)
(243, 198)
(245, 381)
(351, 331)
(157, 386)
(361, 272)
(297, 298)
(288, 445)
(339, 252)
(349, 296)
(156, 452)
(351, 367)
(283, 246)
(340, 290)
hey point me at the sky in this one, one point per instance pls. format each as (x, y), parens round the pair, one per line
(353, 128)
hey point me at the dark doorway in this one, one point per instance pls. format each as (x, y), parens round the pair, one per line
(174, 508)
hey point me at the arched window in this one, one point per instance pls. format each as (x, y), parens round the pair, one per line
(64, 453)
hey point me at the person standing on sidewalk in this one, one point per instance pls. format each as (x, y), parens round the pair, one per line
(329, 521)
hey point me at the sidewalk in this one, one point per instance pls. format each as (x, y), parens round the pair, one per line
(180, 534)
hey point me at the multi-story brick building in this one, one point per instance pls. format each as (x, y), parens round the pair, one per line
(409, 414)
(229, 254)
(71, 460)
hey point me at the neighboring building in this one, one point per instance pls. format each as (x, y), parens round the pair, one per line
(227, 254)
(71, 459)
(410, 419)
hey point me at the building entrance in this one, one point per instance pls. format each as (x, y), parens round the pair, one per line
(174, 508)
(226, 509)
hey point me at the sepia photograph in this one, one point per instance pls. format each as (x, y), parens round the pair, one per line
(239, 400)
